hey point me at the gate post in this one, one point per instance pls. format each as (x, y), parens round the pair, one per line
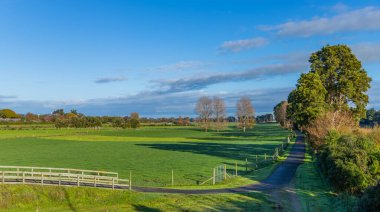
(213, 176)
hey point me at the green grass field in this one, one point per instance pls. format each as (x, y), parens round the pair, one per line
(149, 152)
(52, 198)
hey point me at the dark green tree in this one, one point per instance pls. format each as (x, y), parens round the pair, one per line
(307, 101)
(343, 77)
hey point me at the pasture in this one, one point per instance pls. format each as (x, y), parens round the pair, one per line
(151, 153)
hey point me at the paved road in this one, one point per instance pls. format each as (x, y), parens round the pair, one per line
(279, 178)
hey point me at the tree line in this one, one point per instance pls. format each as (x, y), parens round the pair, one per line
(328, 104)
(212, 113)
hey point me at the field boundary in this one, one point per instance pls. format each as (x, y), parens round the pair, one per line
(62, 176)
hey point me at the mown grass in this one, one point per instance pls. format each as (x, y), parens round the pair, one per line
(53, 198)
(149, 152)
(314, 192)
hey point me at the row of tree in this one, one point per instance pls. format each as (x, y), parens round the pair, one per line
(372, 118)
(212, 112)
(328, 103)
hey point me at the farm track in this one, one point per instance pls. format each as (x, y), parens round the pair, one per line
(278, 180)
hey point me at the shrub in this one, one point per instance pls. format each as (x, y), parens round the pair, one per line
(370, 201)
(134, 123)
(8, 113)
(318, 129)
(351, 163)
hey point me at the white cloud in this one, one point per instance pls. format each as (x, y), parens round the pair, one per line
(367, 18)
(240, 45)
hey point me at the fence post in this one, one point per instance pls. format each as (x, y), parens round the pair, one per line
(23, 177)
(213, 176)
(172, 177)
(94, 181)
(3, 177)
(59, 180)
(246, 164)
(113, 183)
(42, 179)
(130, 180)
(77, 180)
(225, 172)
(288, 139)
(236, 171)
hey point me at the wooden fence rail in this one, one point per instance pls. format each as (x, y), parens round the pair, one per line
(60, 176)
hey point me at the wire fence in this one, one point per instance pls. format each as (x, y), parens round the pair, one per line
(220, 173)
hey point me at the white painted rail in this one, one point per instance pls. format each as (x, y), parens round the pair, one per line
(62, 176)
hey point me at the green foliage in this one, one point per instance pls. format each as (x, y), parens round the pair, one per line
(343, 77)
(336, 82)
(59, 112)
(370, 201)
(78, 122)
(9, 114)
(134, 123)
(307, 101)
(351, 163)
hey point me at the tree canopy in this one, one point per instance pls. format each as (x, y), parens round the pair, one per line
(336, 82)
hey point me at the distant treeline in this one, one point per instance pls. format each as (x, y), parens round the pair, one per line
(372, 118)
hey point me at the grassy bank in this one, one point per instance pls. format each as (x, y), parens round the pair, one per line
(314, 192)
(48, 198)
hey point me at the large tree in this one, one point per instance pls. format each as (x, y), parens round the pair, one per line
(204, 109)
(343, 77)
(307, 101)
(219, 108)
(245, 113)
(336, 82)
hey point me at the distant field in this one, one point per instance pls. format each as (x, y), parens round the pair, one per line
(149, 152)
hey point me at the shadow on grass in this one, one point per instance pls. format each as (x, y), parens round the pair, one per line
(145, 208)
(225, 150)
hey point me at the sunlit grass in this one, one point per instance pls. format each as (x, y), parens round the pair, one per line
(150, 152)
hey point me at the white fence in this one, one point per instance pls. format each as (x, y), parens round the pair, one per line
(62, 176)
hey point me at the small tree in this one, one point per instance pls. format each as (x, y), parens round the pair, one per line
(219, 107)
(204, 109)
(245, 113)
(134, 122)
(280, 113)
(180, 121)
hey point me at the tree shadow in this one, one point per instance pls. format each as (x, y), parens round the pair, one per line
(145, 208)
(224, 150)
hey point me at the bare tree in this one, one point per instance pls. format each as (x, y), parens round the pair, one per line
(204, 109)
(280, 113)
(219, 107)
(245, 113)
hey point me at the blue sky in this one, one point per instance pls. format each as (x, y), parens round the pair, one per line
(159, 57)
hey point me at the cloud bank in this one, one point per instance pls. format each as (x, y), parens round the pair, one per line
(197, 83)
(110, 79)
(364, 19)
